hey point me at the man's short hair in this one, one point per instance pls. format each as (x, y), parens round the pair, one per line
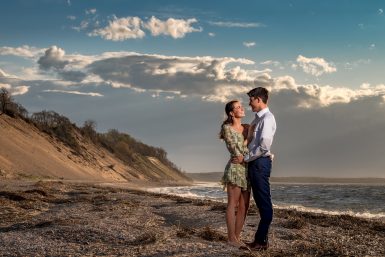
(260, 92)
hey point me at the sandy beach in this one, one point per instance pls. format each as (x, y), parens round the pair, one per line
(49, 218)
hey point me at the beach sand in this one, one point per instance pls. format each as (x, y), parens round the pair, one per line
(51, 218)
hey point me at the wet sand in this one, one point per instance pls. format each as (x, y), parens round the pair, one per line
(84, 219)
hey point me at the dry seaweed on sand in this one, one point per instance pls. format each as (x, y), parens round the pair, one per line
(220, 207)
(184, 231)
(211, 234)
(294, 223)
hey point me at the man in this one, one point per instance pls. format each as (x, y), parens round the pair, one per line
(259, 159)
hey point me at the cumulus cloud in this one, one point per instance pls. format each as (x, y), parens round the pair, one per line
(211, 34)
(200, 76)
(53, 58)
(380, 11)
(176, 28)
(71, 17)
(56, 58)
(315, 66)
(213, 80)
(229, 24)
(121, 29)
(316, 96)
(372, 46)
(22, 51)
(249, 44)
(67, 67)
(205, 77)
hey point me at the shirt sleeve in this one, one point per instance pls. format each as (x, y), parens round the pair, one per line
(230, 141)
(262, 148)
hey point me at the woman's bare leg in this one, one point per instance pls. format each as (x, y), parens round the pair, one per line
(233, 196)
(243, 207)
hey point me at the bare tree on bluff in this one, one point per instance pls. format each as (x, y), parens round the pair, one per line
(89, 130)
(9, 107)
(5, 100)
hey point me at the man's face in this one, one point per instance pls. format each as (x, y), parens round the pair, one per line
(255, 103)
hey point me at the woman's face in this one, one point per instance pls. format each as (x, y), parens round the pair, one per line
(238, 111)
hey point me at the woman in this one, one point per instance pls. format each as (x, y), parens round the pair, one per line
(234, 179)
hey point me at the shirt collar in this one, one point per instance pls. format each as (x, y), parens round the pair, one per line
(262, 112)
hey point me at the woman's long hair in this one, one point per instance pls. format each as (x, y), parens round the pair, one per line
(229, 119)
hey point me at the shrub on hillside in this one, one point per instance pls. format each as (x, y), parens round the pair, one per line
(116, 142)
(56, 125)
(125, 147)
(89, 131)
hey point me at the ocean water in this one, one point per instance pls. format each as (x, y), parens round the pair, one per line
(367, 201)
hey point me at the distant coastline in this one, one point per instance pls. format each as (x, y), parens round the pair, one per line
(216, 176)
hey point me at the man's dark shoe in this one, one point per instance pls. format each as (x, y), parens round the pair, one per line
(254, 246)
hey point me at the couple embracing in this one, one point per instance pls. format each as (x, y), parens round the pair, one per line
(249, 167)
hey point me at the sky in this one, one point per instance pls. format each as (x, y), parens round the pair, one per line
(162, 72)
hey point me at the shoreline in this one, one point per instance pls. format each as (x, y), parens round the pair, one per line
(359, 214)
(64, 218)
(216, 176)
